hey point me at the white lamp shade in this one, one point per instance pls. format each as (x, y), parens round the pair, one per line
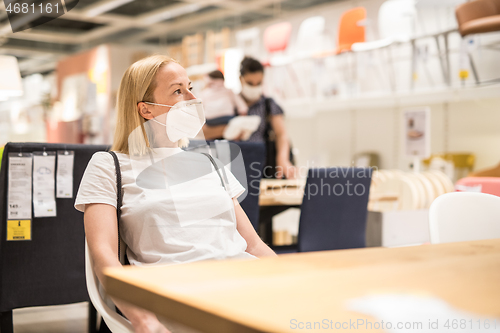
(10, 77)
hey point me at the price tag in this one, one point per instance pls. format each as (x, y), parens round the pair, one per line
(44, 201)
(18, 230)
(64, 176)
(19, 187)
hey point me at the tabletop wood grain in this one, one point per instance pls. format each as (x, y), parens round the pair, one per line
(265, 295)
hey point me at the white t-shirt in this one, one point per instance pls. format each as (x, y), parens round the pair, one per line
(174, 208)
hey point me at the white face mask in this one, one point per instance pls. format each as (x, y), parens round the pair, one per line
(251, 93)
(184, 120)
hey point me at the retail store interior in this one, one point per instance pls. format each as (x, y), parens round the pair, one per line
(403, 93)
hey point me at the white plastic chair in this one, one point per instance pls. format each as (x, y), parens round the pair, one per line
(464, 216)
(312, 38)
(115, 322)
(396, 24)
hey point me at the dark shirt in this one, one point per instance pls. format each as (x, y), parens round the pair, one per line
(259, 108)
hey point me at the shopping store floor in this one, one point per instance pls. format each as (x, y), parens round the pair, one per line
(70, 318)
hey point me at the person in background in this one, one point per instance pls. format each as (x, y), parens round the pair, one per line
(220, 103)
(251, 77)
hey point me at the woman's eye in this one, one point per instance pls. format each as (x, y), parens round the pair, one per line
(190, 88)
(178, 91)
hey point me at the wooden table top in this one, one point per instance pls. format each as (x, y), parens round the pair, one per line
(265, 295)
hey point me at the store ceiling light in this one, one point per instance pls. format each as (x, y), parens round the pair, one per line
(171, 13)
(10, 78)
(105, 6)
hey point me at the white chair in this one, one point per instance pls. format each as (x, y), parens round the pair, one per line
(464, 216)
(396, 24)
(115, 322)
(312, 38)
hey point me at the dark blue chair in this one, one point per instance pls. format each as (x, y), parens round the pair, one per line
(334, 210)
(254, 155)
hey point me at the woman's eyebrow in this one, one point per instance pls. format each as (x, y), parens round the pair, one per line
(179, 84)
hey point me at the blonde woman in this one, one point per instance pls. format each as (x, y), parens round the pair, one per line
(173, 210)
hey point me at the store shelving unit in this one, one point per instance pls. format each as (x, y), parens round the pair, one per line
(309, 107)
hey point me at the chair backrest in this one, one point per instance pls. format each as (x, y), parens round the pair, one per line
(50, 268)
(254, 155)
(495, 3)
(277, 36)
(489, 185)
(114, 321)
(464, 216)
(312, 38)
(396, 19)
(351, 29)
(311, 27)
(474, 10)
(334, 209)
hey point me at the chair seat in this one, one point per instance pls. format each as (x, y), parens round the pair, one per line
(373, 45)
(343, 48)
(381, 43)
(481, 25)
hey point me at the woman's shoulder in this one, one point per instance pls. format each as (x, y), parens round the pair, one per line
(104, 159)
(271, 100)
(274, 107)
(101, 158)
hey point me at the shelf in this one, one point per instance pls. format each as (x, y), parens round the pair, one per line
(309, 107)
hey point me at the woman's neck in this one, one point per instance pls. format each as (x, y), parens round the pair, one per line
(166, 143)
(161, 139)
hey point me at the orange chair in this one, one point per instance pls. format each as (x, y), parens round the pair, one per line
(351, 29)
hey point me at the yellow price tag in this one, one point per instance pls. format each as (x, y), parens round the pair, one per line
(18, 230)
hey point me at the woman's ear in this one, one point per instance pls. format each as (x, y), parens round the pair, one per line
(144, 111)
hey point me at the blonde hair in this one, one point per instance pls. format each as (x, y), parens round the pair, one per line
(137, 84)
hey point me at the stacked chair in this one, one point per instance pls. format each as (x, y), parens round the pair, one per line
(399, 190)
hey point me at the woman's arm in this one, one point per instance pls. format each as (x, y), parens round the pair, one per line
(283, 164)
(101, 231)
(255, 245)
